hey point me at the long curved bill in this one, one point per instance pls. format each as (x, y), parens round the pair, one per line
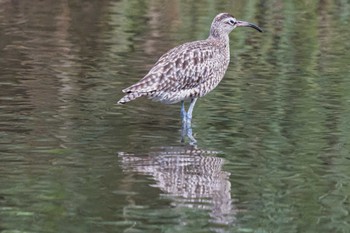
(247, 24)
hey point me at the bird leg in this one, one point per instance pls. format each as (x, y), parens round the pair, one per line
(183, 112)
(186, 122)
(189, 122)
(193, 141)
(189, 112)
(184, 117)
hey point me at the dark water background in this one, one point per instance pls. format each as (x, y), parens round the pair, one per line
(273, 138)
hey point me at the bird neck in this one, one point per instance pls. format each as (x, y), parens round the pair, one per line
(220, 39)
(216, 34)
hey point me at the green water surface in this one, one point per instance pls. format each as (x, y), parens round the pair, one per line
(273, 152)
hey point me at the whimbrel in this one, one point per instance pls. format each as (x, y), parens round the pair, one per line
(190, 70)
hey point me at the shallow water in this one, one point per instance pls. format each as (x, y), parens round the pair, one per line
(273, 137)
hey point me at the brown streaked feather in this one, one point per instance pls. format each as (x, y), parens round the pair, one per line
(180, 69)
(190, 70)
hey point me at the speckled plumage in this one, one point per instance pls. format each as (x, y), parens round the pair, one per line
(187, 71)
(190, 70)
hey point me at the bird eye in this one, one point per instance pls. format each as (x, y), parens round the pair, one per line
(232, 22)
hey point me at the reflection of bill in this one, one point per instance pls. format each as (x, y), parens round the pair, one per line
(191, 177)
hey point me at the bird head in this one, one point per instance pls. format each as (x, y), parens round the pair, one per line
(224, 23)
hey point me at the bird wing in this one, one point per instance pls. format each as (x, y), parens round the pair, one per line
(183, 67)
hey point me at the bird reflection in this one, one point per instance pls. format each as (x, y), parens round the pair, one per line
(190, 177)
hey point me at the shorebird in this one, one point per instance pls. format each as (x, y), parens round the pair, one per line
(190, 70)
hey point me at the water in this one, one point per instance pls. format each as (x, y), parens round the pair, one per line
(273, 138)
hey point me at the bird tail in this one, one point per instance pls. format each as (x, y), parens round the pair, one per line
(130, 96)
